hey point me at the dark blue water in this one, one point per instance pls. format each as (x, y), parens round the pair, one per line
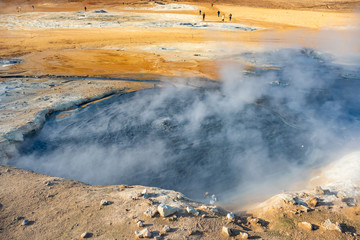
(296, 114)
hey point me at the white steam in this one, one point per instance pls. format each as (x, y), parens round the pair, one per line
(262, 129)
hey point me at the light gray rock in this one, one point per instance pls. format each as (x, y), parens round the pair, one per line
(166, 228)
(328, 225)
(145, 193)
(214, 209)
(25, 222)
(230, 216)
(211, 208)
(140, 223)
(306, 225)
(145, 233)
(244, 235)
(227, 231)
(312, 202)
(104, 202)
(151, 211)
(305, 209)
(166, 210)
(85, 235)
(318, 190)
(179, 196)
(192, 210)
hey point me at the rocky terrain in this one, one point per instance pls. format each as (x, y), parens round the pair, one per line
(37, 206)
(57, 57)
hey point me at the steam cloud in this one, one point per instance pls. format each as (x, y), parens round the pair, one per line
(264, 128)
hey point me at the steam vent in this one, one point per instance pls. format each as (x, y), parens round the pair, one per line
(179, 120)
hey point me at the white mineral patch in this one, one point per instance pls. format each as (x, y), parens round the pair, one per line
(170, 7)
(65, 20)
(344, 174)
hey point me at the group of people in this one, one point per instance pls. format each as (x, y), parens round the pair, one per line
(223, 16)
(18, 9)
(218, 13)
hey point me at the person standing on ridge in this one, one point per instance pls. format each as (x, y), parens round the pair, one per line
(223, 17)
(218, 13)
(203, 16)
(230, 16)
(85, 8)
(200, 12)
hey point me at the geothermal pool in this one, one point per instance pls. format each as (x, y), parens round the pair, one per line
(263, 128)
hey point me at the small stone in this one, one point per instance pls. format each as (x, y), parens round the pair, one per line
(328, 225)
(7, 170)
(25, 222)
(145, 193)
(304, 195)
(293, 212)
(166, 210)
(145, 233)
(318, 190)
(140, 223)
(192, 210)
(305, 209)
(151, 211)
(306, 225)
(312, 202)
(227, 231)
(244, 235)
(48, 183)
(253, 220)
(166, 228)
(172, 218)
(214, 209)
(85, 235)
(289, 200)
(341, 195)
(179, 196)
(104, 202)
(203, 216)
(230, 216)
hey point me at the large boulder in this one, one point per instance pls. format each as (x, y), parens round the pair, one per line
(166, 210)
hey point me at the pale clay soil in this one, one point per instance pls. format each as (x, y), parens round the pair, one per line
(143, 40)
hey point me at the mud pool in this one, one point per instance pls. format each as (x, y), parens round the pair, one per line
(262, 128)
